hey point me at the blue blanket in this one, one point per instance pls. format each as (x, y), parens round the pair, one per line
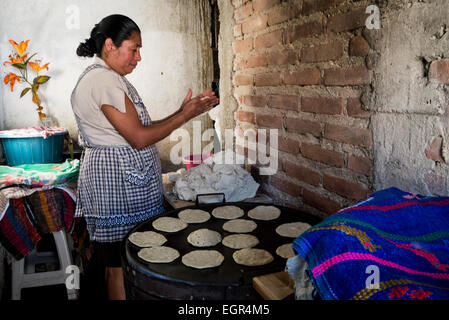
(391, 245)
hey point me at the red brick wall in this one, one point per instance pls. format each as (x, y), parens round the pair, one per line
(299, 66)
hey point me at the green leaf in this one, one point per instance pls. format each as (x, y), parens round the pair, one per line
(29, 58)
(22, 66)
(41, 79)
(24, 92)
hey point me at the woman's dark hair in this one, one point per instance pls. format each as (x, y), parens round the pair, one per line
(117, 27)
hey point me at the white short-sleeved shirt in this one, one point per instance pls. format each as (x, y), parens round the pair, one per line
(98, 87)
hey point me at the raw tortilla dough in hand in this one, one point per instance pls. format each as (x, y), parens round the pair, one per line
(147, 239)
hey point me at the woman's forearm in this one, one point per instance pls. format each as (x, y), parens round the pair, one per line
(149, 135)
(166, 118)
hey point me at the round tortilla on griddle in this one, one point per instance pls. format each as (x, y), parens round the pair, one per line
(202, 259)
(292, 229)
(227, 212)
(252, 257)
(240, 226)
(264, 213)
(285, 251)
(158, 254)
(169, 224)
(204, 238)
(147, 239)
(240, 241)
(194, 216)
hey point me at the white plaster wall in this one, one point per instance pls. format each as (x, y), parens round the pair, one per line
(175, 56)
(408, 108)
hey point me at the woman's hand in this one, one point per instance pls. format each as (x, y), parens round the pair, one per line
(186, 99)
(208, 93)
(203, 102)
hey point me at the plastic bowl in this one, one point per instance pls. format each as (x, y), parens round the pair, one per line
(195, 160)
(33, 149)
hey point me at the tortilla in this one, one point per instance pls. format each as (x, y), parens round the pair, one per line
(169, 224)
(147, 239)
(240, 241)
(204, 238)
(240, 226)
(227, 212)
(293, 229)
(252, 257)
(159, 254)
(285, 251)
(264, 213)
(194, 216)
(202, 259)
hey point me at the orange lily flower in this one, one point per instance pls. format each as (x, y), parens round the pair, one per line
(11, 79)
(20, 48)
(16, 59)
(36, 67)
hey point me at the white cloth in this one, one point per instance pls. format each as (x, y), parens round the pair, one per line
(98, 87)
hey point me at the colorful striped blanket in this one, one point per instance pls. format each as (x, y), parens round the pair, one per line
(392, 245)
(40, 212)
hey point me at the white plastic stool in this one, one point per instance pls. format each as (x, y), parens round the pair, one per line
(20, 279)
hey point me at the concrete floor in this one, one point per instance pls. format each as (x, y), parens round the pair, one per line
(91, 283)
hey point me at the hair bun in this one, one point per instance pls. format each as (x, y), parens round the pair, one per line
(86, 49)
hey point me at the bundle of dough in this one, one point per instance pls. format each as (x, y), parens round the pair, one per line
(293, 229)
(240, 241)
(202, 259)
(169, 224)
(240, 226)
(194, 216)
(264, 213)
(204, 238)
(227, 212)
(147, 239)
(158, 254)
(252, 257)
(210, 177)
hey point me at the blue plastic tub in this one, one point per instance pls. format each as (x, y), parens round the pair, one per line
(33, 148)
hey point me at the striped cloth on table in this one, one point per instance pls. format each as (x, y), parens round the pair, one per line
(31, 216)
(18, 235)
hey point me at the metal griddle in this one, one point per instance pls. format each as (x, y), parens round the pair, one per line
(229, 273)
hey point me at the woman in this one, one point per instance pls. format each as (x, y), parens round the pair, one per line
(120, 181)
